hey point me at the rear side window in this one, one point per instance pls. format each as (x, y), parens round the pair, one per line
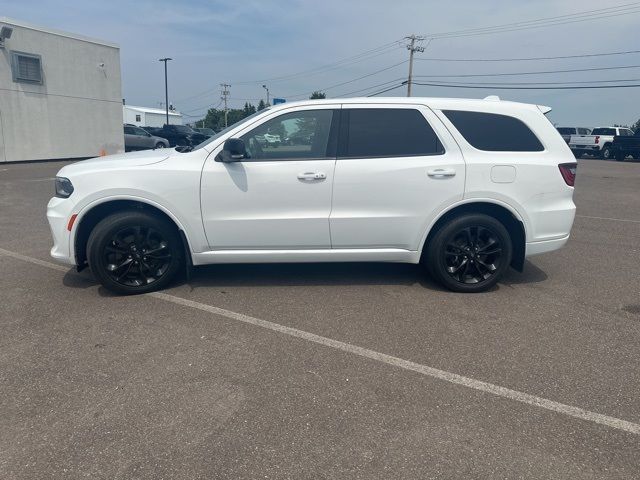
(493, 132)
(387, 132)
(566, 131)
(603, 131)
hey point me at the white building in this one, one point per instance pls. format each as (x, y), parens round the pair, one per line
(60, 94)
(149, 117)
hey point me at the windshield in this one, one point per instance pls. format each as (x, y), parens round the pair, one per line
(229, 128)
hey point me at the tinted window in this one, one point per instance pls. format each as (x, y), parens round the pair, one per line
(603, 131)
(493, 132)
(387, 132)
(128, 130)
(566, 131)
(293, 135)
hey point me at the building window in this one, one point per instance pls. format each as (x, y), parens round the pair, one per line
(138, 119)
(26, 67)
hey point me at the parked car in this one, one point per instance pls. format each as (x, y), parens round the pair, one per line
(598, 143)
(566, 132)
(626, 145)
(135, 138)
(205, 131)
(179, 135)
(415, 180)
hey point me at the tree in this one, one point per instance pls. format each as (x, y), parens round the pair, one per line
(317, 95)
(636, 126)
(262, 105)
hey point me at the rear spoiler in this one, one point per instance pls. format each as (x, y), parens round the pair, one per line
(544, 109)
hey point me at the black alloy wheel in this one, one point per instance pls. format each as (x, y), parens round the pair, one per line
(136, 256)
(469, 253)
(134, 252)
(473, 254)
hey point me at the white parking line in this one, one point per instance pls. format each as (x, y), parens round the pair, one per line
(450, 377)
(609, 218)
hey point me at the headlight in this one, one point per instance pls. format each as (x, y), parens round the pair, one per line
(64, 188)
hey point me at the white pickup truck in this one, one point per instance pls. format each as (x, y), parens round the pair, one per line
(598, 143)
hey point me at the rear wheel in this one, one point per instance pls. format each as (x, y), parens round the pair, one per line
(606, 153)
(620, 156)
(134, 252)
(159, 145)
(469, 253)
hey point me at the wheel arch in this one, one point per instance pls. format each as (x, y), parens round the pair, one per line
(98, 211)
(509, 218)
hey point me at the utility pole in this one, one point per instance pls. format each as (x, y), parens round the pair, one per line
(412, 49)
(166, 88)
(265, 87)
(225, 94)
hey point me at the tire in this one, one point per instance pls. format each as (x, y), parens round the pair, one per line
(454, 255)
(620, 156)
(159, 145)
(577, 154)
(606, 153)
(134, 252)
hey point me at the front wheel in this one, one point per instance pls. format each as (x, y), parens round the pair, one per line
(134, 252)
(469, 253)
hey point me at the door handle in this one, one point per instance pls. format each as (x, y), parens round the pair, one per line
(311, 176)
(441, 173)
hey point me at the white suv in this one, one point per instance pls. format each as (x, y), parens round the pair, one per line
(466, 187)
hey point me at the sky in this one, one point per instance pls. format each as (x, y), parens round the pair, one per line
(248, 43)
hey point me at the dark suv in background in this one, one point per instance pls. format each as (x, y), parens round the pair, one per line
(178, 135)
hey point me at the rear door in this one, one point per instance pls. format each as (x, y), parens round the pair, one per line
(397, 168)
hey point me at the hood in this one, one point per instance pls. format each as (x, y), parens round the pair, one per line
(131, 159)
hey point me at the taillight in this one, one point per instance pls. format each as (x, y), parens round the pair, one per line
(568, 172)
(597, 139)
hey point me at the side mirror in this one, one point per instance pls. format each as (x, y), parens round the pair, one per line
(233, 150)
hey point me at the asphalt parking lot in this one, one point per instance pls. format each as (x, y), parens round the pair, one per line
(325, 371)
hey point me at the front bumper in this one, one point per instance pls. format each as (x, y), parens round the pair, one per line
(59, 210)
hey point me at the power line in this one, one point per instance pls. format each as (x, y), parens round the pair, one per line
(372, 87)
(544, 83)
(348, 81)
(388, 90)
(368, 54)
(586, 55)
(596, 14)
(543, 72)
(499, 87)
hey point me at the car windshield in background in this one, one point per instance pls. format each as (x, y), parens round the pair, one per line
(229, 128)
(566, 131)
(603, 131)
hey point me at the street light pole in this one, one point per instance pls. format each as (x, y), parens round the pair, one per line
(265, 87)
(166, 89)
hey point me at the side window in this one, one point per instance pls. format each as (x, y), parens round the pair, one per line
(128, 130)
(388, 132)
(295, 135)
(493, 132)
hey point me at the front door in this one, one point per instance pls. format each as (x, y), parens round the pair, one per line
(397, 168)
(279, 197)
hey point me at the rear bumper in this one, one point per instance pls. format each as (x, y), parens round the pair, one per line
(545, 246)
